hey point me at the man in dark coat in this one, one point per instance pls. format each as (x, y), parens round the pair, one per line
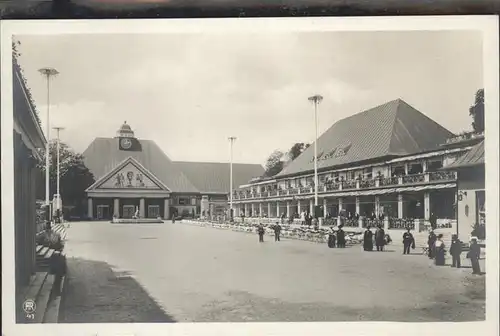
(340, 237)
(433, 220)
(368, 240)
(408, 241)
(260, 231)
(455, 251)
(277, 231)
(430, 244)
(474, 254)
(380, 238)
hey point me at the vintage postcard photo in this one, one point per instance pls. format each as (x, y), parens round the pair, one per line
(165, 175)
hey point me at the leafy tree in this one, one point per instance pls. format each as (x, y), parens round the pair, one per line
(15, 60)
(297, 149)
(274, 163)
(477, 111)
(75, 177)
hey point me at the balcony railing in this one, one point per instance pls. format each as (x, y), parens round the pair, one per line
(351, 223)
(429, 177)
(401, 223)
(442, 176)
(411, 179)
(349, 184)
(387, 181)
(373, 223)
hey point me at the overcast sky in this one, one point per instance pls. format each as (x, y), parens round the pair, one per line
(190, 92)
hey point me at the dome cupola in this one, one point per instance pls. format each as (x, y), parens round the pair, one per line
(125, 131)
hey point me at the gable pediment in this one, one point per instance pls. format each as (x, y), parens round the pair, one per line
(129, 175)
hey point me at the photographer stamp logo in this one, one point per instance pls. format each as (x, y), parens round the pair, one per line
(29, 307)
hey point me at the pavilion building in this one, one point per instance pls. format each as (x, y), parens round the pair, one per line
(134, 176)
(383, 161)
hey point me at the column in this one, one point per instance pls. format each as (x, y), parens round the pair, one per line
(252, 206)
(400, 206)
(116, 208)
(311, 206)
(90, 211)
(299, 210)
(424, 166)
(358, 206)
(288, 209)
(268, 209)
(377, 206)
(340, 204)
(260, 209)
(325, 207)
(427, 205)
(278, 214)
(166, 209)
(406, 168)
(245, 207)
(142, 210)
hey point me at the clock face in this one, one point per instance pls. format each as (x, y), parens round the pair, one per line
(126, 143)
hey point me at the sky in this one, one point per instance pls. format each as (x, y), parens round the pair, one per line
(190, 92)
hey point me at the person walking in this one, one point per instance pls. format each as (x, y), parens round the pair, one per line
(332, 239)
(277, 231)
(430, 244)
(408, 241)
(455, 251)
(380, 238)
(260, 231)
(474, 254)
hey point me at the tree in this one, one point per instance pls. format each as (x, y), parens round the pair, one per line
(477, 112)
(75, 177)
(297, 149)
(274, 163)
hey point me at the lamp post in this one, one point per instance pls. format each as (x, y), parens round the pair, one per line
(58, 195)
(316, 100)
(48, 73)
(231, 141)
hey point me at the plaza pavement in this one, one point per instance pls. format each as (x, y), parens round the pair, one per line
(183, 273)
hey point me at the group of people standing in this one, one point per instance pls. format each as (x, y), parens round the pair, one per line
(336, 238)
(369, 237)
(437, 251)
(261, 231)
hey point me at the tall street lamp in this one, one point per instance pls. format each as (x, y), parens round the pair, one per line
(58, 195)
(231, 141)
(316, 100)
(48, 73)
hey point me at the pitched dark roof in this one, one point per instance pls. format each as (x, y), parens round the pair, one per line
(474, 157)
(214, 176)
(103, 155)
(392, 129)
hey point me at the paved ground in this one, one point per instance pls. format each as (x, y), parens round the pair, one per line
(177, 272)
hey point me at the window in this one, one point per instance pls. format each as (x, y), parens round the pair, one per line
(183, 201)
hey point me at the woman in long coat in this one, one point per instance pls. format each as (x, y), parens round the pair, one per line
(340, 238)
(439, 251)
(368, 240)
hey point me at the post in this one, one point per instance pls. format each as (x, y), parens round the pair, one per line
(427, 206)
(48, 72)
(116, 208)
(166, 209)
(268, 209)
(231, 140)
(358, 206)
(400, 206)
(58, 209)
(142, 210)
(90, 209)
(316, 100)
(288, 209)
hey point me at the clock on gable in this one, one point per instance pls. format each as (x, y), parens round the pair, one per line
(125, 143)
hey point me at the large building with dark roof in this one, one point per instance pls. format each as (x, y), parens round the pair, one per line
(135, 177)
(384, 162)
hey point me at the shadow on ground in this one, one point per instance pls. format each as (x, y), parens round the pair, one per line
(95, 293)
